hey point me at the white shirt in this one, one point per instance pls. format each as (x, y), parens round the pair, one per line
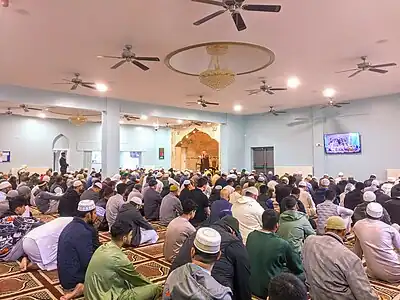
(159, 186)
(249, 214)
(46, 237)
(33, 192)
(387, 188)
(308, 202)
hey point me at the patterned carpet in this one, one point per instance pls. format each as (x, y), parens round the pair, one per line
(148, 260)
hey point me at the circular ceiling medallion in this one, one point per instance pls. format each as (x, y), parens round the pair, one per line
(239, 57)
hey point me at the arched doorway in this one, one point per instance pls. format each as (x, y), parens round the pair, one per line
(60, 144)
(189, 149)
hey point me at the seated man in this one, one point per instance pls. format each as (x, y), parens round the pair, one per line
(115, 203)
(142, 231)
(221, 207)
(179, 229)
(286, 286)
(152, 201)
(40, 245)
(379, 242)
(171, 206)
(76, 245)
(360, 210)
(294, 226)
(193, 280)
(111, 275)
(46, 202)
(13, 227)
(328, 209)
(270, 255)
(332, 270)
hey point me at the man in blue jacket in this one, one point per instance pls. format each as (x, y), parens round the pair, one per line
(76, 245)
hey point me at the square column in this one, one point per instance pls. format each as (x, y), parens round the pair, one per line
(110, 140)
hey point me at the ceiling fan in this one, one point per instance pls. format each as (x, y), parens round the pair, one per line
(128, 56)
(332, 103)
(275, 112)
(27, 108)
(201, 101)
(265, 88)
(130, 118)
(367, 66)
(234, 7)
(77, 81)
(8, 112)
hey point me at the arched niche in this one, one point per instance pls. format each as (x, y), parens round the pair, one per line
(190, 147)
(60, 142)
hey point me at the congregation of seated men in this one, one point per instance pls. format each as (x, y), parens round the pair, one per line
(228, 236)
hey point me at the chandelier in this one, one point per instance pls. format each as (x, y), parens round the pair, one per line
(77, 120)
(215, 77)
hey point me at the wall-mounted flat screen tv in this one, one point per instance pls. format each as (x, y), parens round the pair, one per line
(342, 143)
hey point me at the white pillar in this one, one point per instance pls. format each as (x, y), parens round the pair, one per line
(110, 141)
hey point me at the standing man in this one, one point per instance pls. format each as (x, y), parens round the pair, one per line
(204, 161)
(76, 245)
(201, 200)
(63, 163)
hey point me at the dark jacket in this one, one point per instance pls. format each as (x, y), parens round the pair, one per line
(282, 191)
(381, 197)
(69, 203)
(54, 186)
(222, 182)
(319, 195)
(130, 214)
(42, 200)
(360, 213)
(352, 199)
(63, 165)
(76, 245)
(185, 194)
(393, 208)
(265, 201)
(219, 209)
(232, 269)
(152, 202)
(395, 192)
(202, 202)
(89, 194)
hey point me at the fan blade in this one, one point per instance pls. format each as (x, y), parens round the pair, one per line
(275, 113)
(191, 102)
(34, 108)
(270, 92)
(239, 22)
(343, 103)
(211, 103)
(74, 86)
(212, 2)
(355, 69)
(378, 70)
(118, 64)
(324, 106)
(301, 119)
(88, 86)
(278, 89)
(253, 92)
(140, 65)
(61, 83)
(384, 65)
(209, 17)
(280, 112)
(337, 105)
(147, 58)
(109, 56)
(262, 7)
(355, 73)
(88, 83)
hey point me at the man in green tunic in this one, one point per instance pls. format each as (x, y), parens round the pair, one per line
(110, 275)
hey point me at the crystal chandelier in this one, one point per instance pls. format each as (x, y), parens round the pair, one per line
(77, 120)
(215, 77)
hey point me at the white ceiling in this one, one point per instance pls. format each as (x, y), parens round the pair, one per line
(311, 39)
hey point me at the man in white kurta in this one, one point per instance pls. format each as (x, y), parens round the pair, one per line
(379, 242)
(40, 245)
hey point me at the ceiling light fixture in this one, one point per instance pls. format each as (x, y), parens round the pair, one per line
(42, 115)
(329, 92)
(293, 82)
(144, 117)
(121, 121)
(179, 121)
(237, 108)
(101, 87)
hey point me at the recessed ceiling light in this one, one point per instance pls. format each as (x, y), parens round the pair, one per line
(101, 87)
(155, 124)
(144, 117)
(121, 121)
(208, 123)
(329, 92)
(237, 107)
(179, 121)
(293, 82)
(42, 115)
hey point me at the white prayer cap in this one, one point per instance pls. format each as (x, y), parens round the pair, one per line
(375, 183)
(12, 194)
(186, 173)
(252, 190)
(46, 178)
(208, 240)
(231, 171)
(247, 173)
(218, 187)
(340, 174)
(159, 175)
(270, 173)
(251, 177)
(374, 210)
(302, 183)
(77, 183)
(325, 182)
(186, 182)
(271, 184)
(86, 205)
(369, 196)
(4, 185)
(391, 179)
(98, 184)
(136, 200)
(261, 179)
(233, 176)
(285, 180)
(116, 178)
